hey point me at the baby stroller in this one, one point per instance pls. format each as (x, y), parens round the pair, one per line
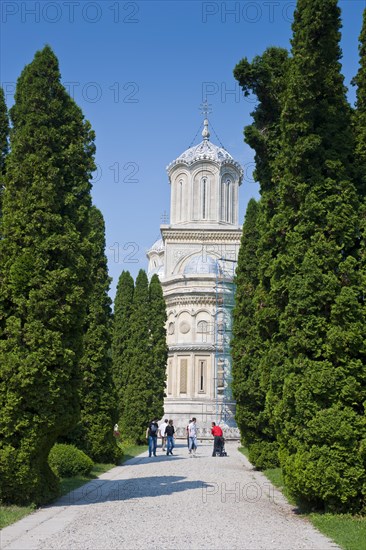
(220, 448)
(223, 452)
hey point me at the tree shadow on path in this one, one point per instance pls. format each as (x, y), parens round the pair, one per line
(99, 491)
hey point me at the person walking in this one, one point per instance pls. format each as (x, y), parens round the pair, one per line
(192, 432)
(170, 431)
(187, 432)
(216, 431)
(152, 436)
(162, 429)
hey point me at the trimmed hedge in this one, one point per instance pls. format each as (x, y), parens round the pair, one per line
(68, 461)
(264, 454)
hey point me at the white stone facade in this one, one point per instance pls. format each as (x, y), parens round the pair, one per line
(195, 261)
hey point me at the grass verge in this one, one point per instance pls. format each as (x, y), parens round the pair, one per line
(11, 514)
(348, 531)
(130, 451)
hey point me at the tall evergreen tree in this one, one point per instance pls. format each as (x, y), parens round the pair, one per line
(159, 348)
(121, 335)
(4, 136)
(317, 387)
(144, 372)
(359, 118)
(359, 125)
(139, 389)
(98, 398)
(45, 255)
(246, 345)
(360, 158)
(359, 121)
(4, 131)
(266, 77)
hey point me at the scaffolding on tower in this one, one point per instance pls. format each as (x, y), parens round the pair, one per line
(225, 295)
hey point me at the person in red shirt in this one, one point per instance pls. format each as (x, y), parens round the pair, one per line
(216, 431)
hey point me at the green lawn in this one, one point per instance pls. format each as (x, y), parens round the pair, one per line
(276, 477)
(130, 451)
(11, 514)
(68, 484)
(349, 532)
(346, 530)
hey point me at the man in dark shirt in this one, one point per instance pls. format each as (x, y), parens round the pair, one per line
(169, 431)
(217, 433)
(152, 436)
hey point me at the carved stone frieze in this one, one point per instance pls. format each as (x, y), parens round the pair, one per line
(172, 301)
(191, 347)
(199, 236)
(179, 253)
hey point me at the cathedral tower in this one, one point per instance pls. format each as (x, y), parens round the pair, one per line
(195, 260)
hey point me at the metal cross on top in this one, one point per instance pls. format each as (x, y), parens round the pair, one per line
(205, 108)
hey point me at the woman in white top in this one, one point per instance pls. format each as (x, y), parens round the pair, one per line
(192, 434)
(162, 429)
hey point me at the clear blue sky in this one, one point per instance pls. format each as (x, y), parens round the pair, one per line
(139, 71)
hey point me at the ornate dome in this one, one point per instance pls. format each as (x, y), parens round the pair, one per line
(201, 265)
(206, 151)
(158, 246)
(156, 259)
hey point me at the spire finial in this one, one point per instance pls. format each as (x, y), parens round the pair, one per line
(205, 109)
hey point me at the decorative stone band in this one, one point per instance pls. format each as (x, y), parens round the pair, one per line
(192, 347)
(190, 301)
(205, 158)
(214, 236)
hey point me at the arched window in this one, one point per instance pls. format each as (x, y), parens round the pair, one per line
(226, 200)
(202, 329)
(204, 185)
(201, 376)
(180, 195)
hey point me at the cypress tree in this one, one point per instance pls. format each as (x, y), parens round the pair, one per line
(246, 343)
(121, 336)
(360, 158)
(266, 76)
(159, 348)
(4, 131)
(4, 136)
(359, 125)
(359, 119)
(45, 255)
(139, 389)
(317, 387)
(98, 399)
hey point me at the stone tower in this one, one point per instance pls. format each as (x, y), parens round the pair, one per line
(195, 260)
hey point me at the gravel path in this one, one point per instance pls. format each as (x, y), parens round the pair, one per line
(176, 503)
